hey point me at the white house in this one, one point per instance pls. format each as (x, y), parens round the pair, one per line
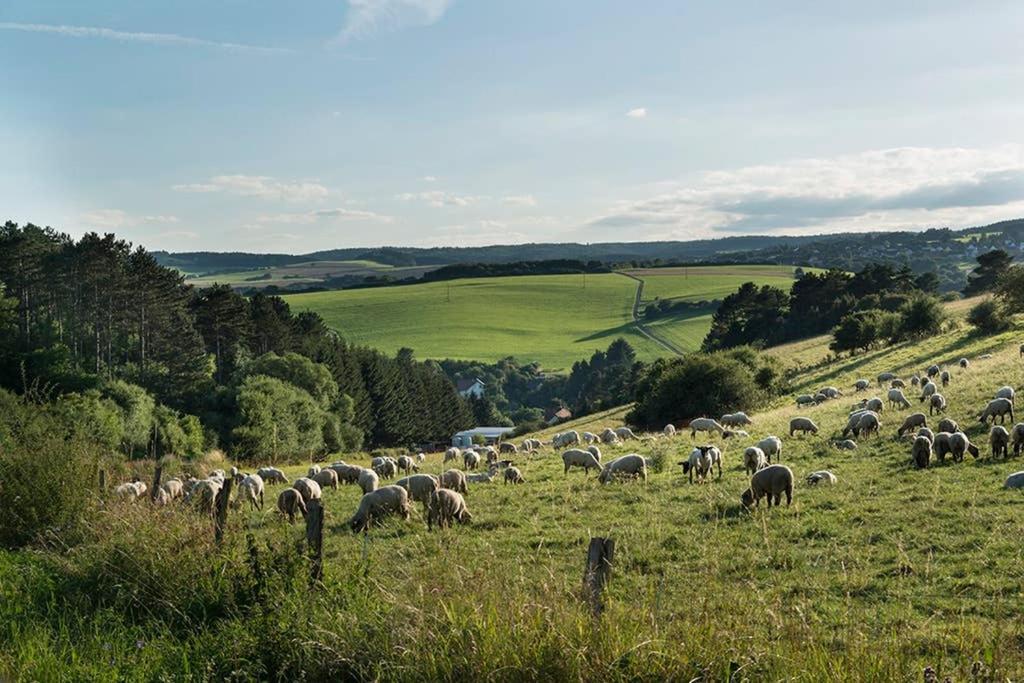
(470, 387)
(464, 439)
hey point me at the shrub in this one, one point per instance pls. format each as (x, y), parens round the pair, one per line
(989, 317)
(921, 316)
(864, 329)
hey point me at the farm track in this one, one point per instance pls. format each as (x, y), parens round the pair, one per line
(636, 317)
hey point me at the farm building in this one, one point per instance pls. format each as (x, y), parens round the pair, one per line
(464, 439)
(553, 417)
(470, 387)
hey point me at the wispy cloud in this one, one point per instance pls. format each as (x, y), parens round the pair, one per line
(519, 200)
(638, 113)
(338, 214)
(103, 33)
(264, 187)
(437, 198)
(367, 17)
(112, 219)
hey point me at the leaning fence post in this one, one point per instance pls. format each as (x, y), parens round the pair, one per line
(221, 510)
(156, 482)
(597, 572)
(103, 480)
(315, 540)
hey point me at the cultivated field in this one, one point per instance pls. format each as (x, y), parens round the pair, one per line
(309, 273)
(709, 282)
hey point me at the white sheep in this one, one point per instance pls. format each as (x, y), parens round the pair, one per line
(470, 460)
(251, 489)
(174, 488)
(326, 478)
(846, 445)
(885, 377)
(999, 441)
(669, 430)
(373, 506)
(802, 425)
(625, 433)
(452, 453)
(897, 399)
(912, 421)
(945, 378)
(959, 444)
(770, 483)
(575, 457)
(313, 470)
(936, 403)
(941, 445)
(735, 434)
(454, 480)
(445, 507)
(702, 460)
(821, 477)
(754, 459)
(1005, 392)
(897, 384)
(927, 389)
(290, 502)
(131, 490)
(704, 424)
(771, 446)
(609, 436)
(482, 477)
(948, 425)
(272, 475)
(309, 489)
(406, 464)
(861, 385)
(631, 465)
(921, 451)
(1017, 435)
(736, 420)
(964, 363)
(419, 486)
(514, 476)
(386, 467)
(368, 480)
(806, 400)
(867, 423)
(569, 438)
(1015, 480)
(998, 407)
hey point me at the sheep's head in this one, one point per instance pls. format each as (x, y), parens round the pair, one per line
(747, 498)
(973, 450)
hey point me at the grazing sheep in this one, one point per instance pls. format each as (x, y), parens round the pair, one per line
(735, 434)
(960, 444)
(861, 385)
(770, 483)
(945, 378)
(368, 480)
(754, 459)
(569, 438)
(874, 404)
(452, 453)
(915, 381)
(387, 468)
(897, 399)
(251, 489)
(454, 480)
(609, 436)
(933, 370)
(736, 420)
(419, 487)
(999, 441)
(985, 356)
(290, 502)
(921, 451)
(313, 470)
(204, 494)
(174, 488)
(937, 403)
(1014, 481)
(912, 421)
(373, 506)
(803, 425)
(506, 447)
(590, 437)
(1017, 435)
(272, 475)
(514, 476)
(885, 377)
(941, 445)
(470, 460)
(927, 433)
(625, 433)
(309, 489)
(704, 424)
(347, 474)
(998, 407)
(897, 384)
(575, 457)
(771, 445)
(131, 490)
(1005, 392)
(407, 464)
(821, 477)
(853, 419)
(868, 423)
(805, 400)
(481, 477)
(446, 506)
(948, 425)
(631, 465)
(927, 389)
(162, 498)
(702, 460)
(669, 430)
(326, 478)
(846, 445)
(964, 363)
(420, 457)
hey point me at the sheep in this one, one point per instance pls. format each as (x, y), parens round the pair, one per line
(569, 438)
(985, 356)
(590, 437)
(609, 436)
(821, 477)
(407, 464)
(964, 363)
(937, 403)
(998, 407)
(770, 483)
(514, 476)
(387, 500)
(313, 471)
(327, 478)
(885, 377)
(131, 490)
(941, 445)
(162, 498)
(386, 468)
(446, 506)
(1005, 392)
(868, 423)
(735, 434)
(846, 445)
(932, 370)
(204, 494)
(999, 440)
(702, 460)
(897, 399)
(927, 433)
(897, 384)
(921, 451)
(704, 424)
(754, 459)
(945, 378)
(470, 460)
(535, 444)
(419, 487)
(803, 425)
(927, 389)
(805, 400)
(861, 385)
(347, 474)
(874, 404)
(1017, 434)
(948, 425)
(959, 443)
(912, 421)
(915, 381)
(631, 465)
(454, 480)
(420, 457)
(272, 475)
(368, 480)
(506, 447)
(853, 419)
(1015, 480)
(625, 433)
(575, 457)
(309, 489)
(481, 477)
(669, 430)
(736, 420)
(289, 502)
(251, 489)
(174, 488)
(452, 453)
(771, 445)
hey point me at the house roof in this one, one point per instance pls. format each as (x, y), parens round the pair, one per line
(563, 414)
(493, 432)
(463, 384)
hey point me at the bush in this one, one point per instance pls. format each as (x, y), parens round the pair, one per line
(921, 316)
(864, 329)
(989, 317)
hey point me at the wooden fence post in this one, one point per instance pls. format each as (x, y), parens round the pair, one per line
(597, 572)
(103, 480)
(221, 510)
(156, 483)
(315, 540)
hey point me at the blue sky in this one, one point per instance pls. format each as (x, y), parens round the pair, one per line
(261, 125)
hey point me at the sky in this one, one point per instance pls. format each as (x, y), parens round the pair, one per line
(261, 125)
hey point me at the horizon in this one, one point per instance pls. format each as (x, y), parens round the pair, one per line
(441, 123)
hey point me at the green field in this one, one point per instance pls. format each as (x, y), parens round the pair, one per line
(307, 273)
(553, 319)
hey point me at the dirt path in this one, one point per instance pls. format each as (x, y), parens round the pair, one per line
(636, 317)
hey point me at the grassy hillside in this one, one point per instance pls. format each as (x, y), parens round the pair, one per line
(708, 282)
(306, 273)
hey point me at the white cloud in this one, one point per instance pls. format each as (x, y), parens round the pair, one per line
(307, 217)
(429, 179)
(438, 198)
(367, 17)
(263, 187)
(881, 189)
(113, 219)
(638, 113)
(478, 234)
(179, 234)
(168, 39)
(520, 200)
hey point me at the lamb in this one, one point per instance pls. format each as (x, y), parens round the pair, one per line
(313, 470)
(419, 487)
(309, 489)
(754, 459)
(289, 502)
(921, 451)
(1017, 435)
(912, 421)
(868, 423)
(861, 385)
(959, 443)
(999, 440)
(131, 490)
(937, 403)
(1015, 480)
(669, 430)
(803, 425)
(704, 424)
(454, 480)
(272, 475)
(770, 483)
(885, 377)
(945, 378)
(251, 489)
(702, 461)
(821, 477)
(631, 465)
(446, 506)
(470, 460)
(625, 433)
(805, 400)
(846, 445)
(736, 420)
(927, 389)
(452, 453)
(368, 480)
(407, 464)
(964, 363)
(897, 399)
(590, 437)
(506, 447)
(1005, 392)
(388, 500)
(609, 436)
(948, 425)
(327, 478)
(771, 445)
(579, 458)
(998, 407)
(514, 476)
